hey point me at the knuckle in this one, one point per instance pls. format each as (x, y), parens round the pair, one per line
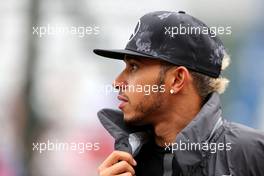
(129, 156)
(126, 155)
(115, 153)
(123, 163)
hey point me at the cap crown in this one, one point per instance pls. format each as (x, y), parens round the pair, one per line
(180, 39)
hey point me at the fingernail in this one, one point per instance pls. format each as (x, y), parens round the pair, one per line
(134, 162)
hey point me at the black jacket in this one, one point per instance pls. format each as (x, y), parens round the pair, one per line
(240, 149)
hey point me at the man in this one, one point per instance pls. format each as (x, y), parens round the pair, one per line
(171, 122)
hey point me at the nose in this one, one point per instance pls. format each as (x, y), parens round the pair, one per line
(120, 83)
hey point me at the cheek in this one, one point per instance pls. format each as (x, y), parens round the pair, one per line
(141, 84)
(142, 94)
(135, 96)
(142, 79)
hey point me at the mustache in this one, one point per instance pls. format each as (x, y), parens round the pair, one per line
(123, 95)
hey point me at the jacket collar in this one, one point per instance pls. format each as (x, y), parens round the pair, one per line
(199, 130)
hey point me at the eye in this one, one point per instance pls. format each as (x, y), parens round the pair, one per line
(133, 66)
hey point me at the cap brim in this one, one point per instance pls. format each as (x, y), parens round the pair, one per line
(118, 54)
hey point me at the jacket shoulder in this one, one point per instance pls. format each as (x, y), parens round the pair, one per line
(243, 135)
(247, 149)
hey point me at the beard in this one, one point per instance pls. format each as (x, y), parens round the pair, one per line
(144, 111)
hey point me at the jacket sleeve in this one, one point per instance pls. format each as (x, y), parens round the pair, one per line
(247, 153)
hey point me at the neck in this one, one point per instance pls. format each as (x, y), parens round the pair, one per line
(175, 119)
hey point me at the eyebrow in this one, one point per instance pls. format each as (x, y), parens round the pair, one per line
(132, 60)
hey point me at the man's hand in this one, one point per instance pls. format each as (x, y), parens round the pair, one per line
(118, 163)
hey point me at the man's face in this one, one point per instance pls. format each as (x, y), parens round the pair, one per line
(141, 90)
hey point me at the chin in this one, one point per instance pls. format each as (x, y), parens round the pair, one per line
(128, 118)
(132, 119)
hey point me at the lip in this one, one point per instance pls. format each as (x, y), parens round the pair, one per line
(123, 100)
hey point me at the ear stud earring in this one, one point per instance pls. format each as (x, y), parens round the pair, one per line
(172, 91)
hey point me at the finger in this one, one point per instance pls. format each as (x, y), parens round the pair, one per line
(118, 168)
(125, 174)
(121, 167)
(116, 156)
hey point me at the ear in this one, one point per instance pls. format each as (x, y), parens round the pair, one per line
(178, 77)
